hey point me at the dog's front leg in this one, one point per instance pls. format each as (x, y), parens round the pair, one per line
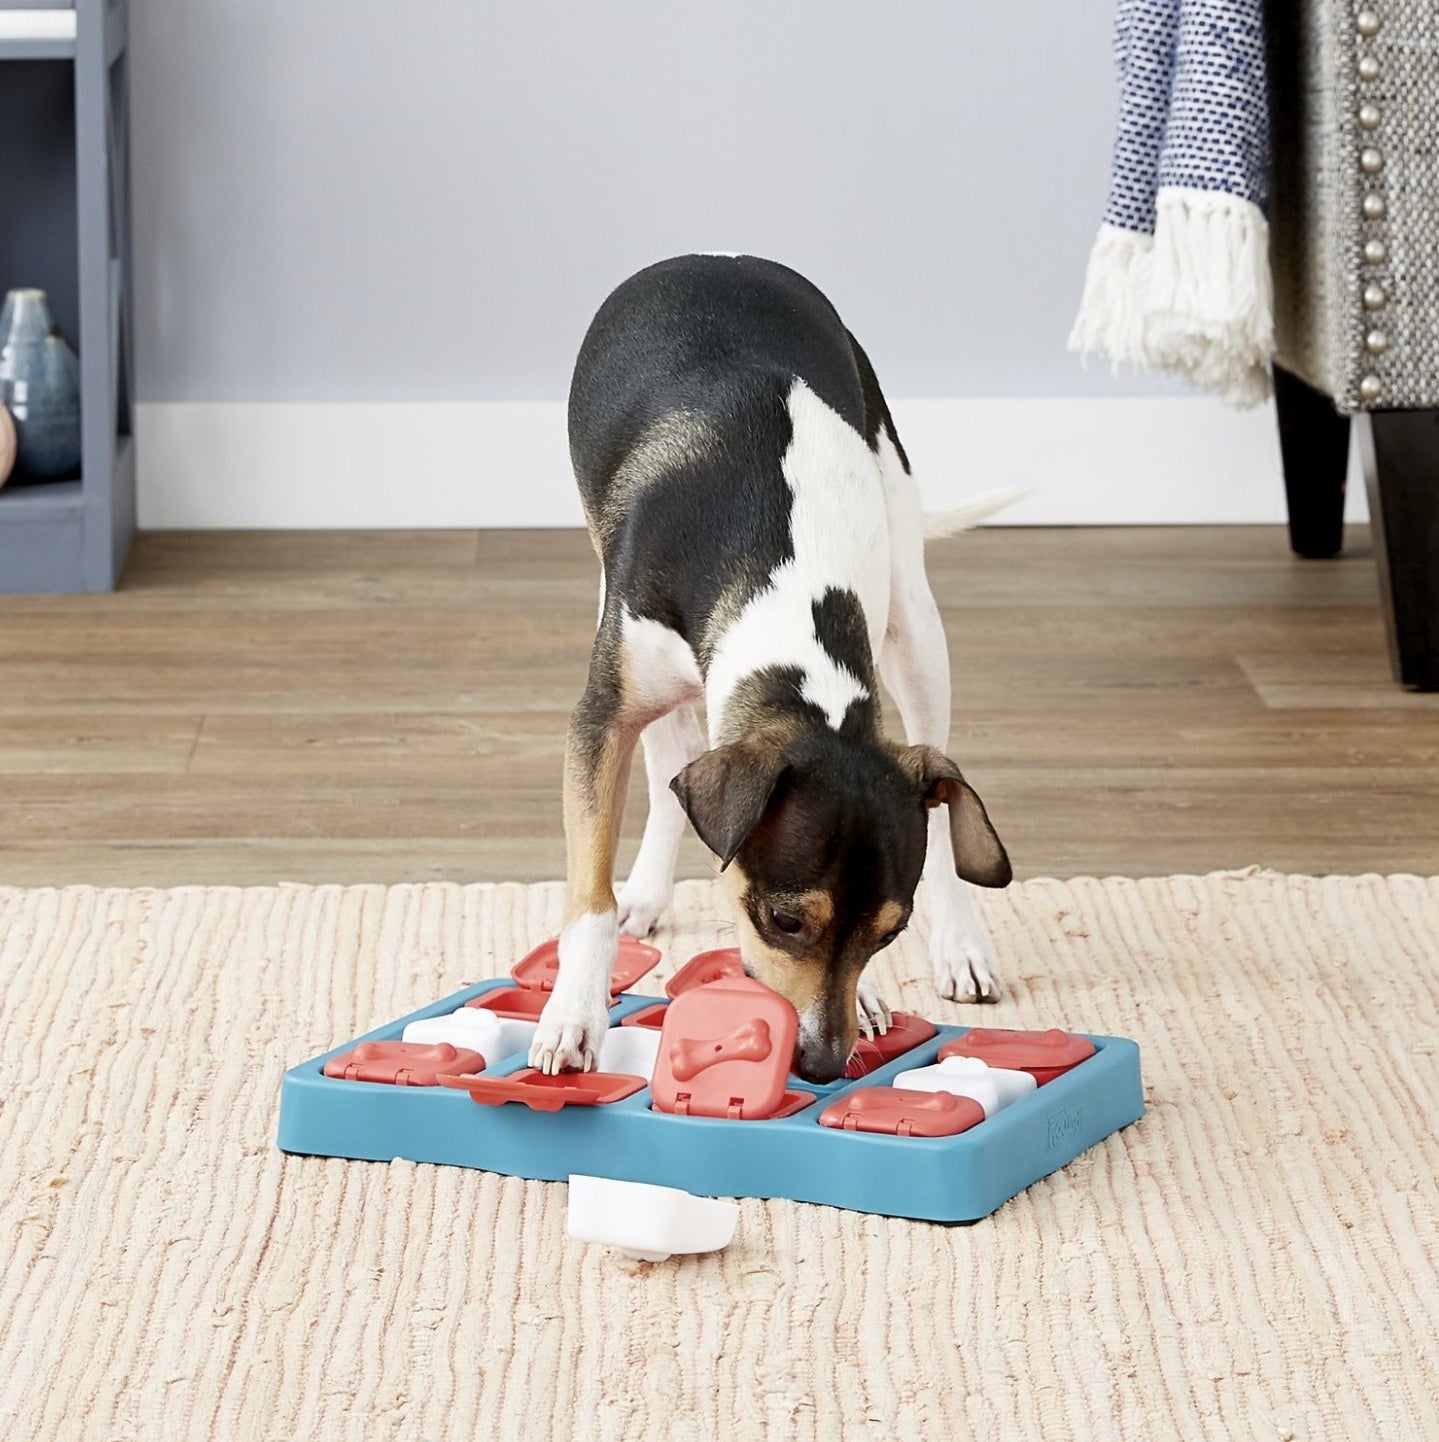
(961, 954)
(914, 664)
(916, 670)
(597, 769)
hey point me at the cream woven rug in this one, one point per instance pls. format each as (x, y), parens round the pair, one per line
(1257, 1258)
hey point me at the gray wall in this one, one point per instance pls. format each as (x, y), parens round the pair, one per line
(354, 200)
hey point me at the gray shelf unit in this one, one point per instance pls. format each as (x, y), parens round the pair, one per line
(65, 183)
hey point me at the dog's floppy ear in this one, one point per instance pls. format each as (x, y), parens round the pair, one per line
(979, 854)
(724, 792)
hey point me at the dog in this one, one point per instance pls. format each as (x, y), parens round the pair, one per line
(761, 544)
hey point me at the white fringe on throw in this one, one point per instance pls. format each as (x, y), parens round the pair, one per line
(1195, 298)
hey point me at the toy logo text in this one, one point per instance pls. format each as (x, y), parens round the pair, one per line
(1064, 1123)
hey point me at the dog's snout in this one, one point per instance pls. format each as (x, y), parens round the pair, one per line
(826, 1039)
(821, 1061)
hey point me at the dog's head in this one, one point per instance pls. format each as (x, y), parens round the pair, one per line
(821, 841)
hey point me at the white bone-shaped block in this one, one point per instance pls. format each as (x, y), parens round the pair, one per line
(494, 1037)
(647, 1222)
(966, 1076)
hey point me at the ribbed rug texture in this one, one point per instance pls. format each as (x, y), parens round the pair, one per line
(1257, 1258)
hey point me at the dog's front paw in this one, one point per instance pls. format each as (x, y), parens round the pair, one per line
(568, 1038)
(874, 1013)
(641, 904)
(963, 962)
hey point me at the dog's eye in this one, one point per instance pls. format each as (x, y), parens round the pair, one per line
(786, 921)
(890, 935)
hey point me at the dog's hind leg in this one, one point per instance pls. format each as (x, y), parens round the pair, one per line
(914, 665)
(670, 744)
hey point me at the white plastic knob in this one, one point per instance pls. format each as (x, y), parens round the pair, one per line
(494, 1037)
(967, 1076)
(646, 1222)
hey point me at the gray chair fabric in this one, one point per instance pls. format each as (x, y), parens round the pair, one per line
(1355, 210)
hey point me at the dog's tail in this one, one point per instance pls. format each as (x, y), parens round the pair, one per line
(939, 524)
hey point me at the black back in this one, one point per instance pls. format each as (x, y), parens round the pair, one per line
(719, 339)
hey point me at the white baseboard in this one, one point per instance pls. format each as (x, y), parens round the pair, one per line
(1086, 460)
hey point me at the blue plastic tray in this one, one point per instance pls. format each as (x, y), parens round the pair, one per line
(940, 1179)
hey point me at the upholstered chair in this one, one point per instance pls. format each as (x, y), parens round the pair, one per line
(1355, 252)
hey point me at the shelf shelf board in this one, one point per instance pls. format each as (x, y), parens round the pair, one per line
(38, 502)
(37, 49)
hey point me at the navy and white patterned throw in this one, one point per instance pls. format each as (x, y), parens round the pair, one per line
(1178, 278)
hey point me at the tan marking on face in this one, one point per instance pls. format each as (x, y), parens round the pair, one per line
(889, 915)
(814, 908)
(801, 984)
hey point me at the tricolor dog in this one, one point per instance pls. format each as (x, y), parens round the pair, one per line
(762, 551)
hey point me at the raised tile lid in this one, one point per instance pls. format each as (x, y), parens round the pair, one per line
(725, 1051)
(723, 964)
(537, 971)
(893, 1112)
(1044, 1054)
(402, 1063)
(905, 1033)
(547, 1092)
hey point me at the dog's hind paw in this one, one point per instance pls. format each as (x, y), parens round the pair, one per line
(566, 1041)
(874, 1013)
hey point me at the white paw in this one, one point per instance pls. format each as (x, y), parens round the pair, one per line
(568, 1037)
(641, 905)
(964, 968)
(874, 1013)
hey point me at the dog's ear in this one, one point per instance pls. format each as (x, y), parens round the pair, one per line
(724, 792)
(979, 854)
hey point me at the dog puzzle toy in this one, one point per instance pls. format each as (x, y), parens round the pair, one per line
(693, 1098)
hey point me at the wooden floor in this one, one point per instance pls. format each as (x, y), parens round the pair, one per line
(391, 707)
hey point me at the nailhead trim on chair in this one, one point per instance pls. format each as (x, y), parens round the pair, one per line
(1356, 120)
(1376, 251)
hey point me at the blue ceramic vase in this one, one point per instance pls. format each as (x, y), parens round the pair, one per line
(40, 387)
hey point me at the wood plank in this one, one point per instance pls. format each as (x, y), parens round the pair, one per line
(96, 745)
(1155, 630)
(1261, 740)
(477, 749)
(1347, 682)
(1167, 566)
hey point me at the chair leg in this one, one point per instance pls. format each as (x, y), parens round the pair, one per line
(1400, 450)
(1314, 444)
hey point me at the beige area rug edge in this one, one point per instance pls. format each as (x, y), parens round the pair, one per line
(1257, 1256)
(1245, 871)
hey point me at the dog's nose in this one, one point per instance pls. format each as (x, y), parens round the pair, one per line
(820, 1063)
